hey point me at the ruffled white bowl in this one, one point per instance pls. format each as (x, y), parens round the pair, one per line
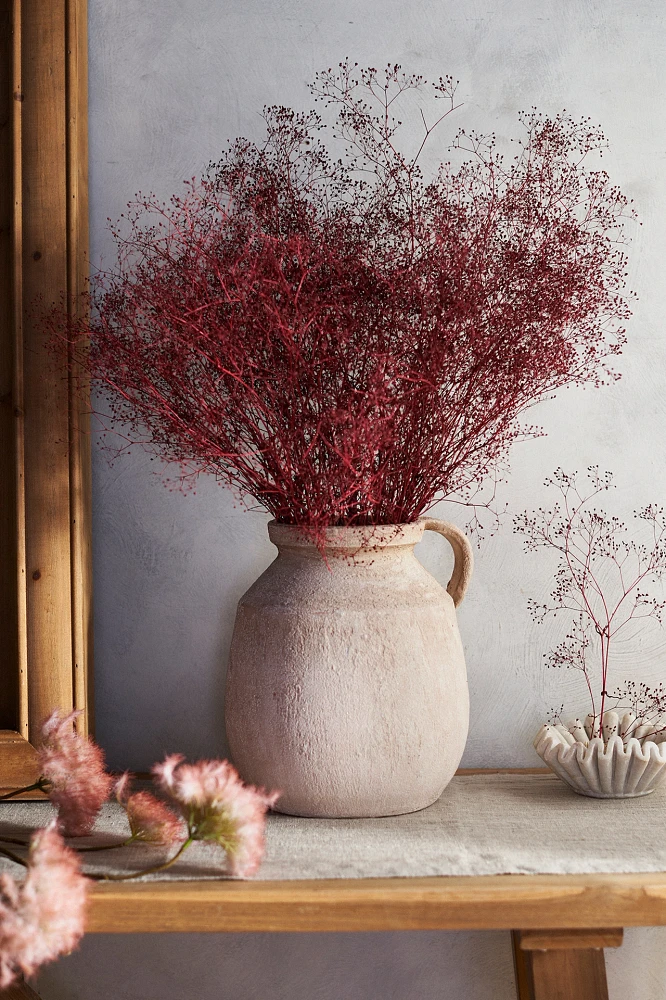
(609, 768)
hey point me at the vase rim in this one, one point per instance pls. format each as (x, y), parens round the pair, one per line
(352, 538)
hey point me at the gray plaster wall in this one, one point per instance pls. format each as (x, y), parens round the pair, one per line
(169, 83)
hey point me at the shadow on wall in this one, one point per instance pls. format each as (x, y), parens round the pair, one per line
(638, 968)
(411, 965)
(169, 570)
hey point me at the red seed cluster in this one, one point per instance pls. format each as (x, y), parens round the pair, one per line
(341, 338)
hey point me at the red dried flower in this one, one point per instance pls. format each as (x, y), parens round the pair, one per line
(342, 339)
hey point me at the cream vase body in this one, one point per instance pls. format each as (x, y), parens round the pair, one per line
(347, 687)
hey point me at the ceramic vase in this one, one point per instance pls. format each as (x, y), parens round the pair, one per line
(347, 687)
(612, 767)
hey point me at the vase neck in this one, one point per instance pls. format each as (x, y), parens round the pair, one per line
(358, 544)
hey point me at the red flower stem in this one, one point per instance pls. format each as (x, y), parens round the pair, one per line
(604, 675)
(146, 871)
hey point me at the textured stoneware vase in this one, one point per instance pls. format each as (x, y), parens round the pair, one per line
(347, 687)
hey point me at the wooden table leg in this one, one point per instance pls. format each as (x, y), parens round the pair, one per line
(563, 964)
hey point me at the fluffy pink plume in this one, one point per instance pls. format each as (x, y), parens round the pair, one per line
(150, 820)
(74, 768)
(219, 808)
(44, 917)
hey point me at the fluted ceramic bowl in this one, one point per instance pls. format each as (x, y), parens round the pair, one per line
(615, 767)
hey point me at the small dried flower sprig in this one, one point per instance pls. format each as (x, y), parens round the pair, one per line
(72, 774)
(43, 917)
(218, 807)
(603, 579)
(215, 805)
(150, 820)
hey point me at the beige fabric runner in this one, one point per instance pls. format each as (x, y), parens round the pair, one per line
(482, 825)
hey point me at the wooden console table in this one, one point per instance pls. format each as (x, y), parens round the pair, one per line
(560, 923)
(554, 919)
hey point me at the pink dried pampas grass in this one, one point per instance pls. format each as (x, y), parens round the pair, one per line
(44, 917)
(150, 820)
(73, 768)
(218, 807)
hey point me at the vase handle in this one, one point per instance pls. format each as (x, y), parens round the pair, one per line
(463, 555)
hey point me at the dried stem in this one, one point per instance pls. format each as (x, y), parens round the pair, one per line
(601, 578)
(80, 849)
(41, 785)
(146, 871)
(13, 857)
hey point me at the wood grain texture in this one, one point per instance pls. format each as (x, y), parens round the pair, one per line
(8, 588)
(522, 969)
(18, 372)
(18, 763)
(504, 770)
(47, 508)
(568, 975)
(562, 963)
(453, 903)
(559, 940)
(80, 466)
(45, 608)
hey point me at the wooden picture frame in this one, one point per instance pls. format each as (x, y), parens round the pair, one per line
(45, 482)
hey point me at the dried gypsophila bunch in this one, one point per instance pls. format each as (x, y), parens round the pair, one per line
(341, 338)
(602, 578)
